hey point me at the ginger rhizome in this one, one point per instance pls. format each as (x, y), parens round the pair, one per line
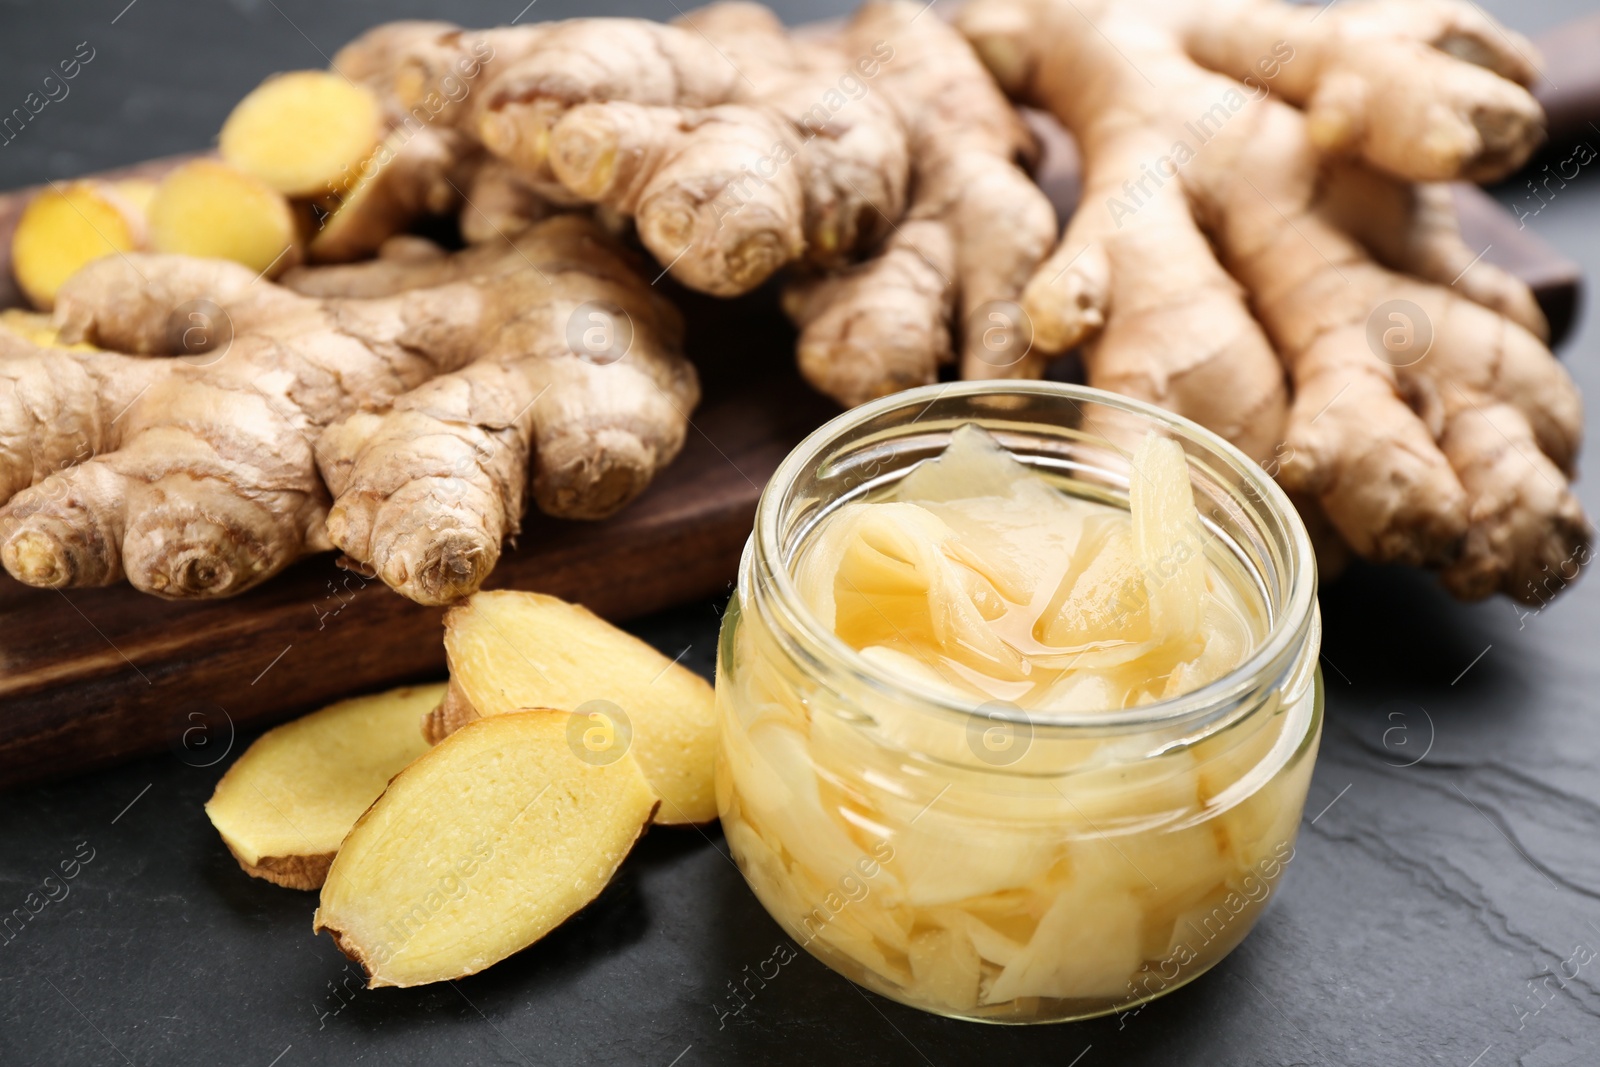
(879, 160)
(197, 476)
(1260, 246)
(579, 391)
(288, 801)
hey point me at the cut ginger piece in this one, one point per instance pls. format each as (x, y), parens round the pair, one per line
(209, 209)
(305, 133)
(511, 650)
(284, 806)
(488, 842)
(65, 227)
(1168, 538)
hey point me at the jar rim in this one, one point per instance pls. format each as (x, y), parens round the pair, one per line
(1275, 655)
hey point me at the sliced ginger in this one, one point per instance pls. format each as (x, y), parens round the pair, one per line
(511, 650)
(206, 208)
(284, 806)
(304, 133)
(977, 576)
(65, 227)
(480, 848)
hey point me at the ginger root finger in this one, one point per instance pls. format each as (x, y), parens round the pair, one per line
(216, 211)
(883, 325)
(65, 227)
(500, 203)
(964, 141)
(583, 60)
(304, 133)
(1428, 90)
(510, 649)
(585, 375)
(1412, 228)
(712, 191)
(286, 804)
(543, 835)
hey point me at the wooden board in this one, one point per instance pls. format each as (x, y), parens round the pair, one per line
(89, 677)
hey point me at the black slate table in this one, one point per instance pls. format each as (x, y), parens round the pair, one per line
(1443, 906)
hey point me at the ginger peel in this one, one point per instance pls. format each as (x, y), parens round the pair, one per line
(286, 804)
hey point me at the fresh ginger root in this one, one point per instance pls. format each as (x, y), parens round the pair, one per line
(738, 148)
(1218, 250)
(210, 209)
(304, 133)
(65, 227)
(197, 476)
(479, 848)
(510, 650)
(286, 804)
(583, 381)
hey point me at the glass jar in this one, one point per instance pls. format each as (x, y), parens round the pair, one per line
(983, 862)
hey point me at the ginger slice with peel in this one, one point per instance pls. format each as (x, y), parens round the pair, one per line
(480, 848)
(509, 650)
(210, 209)
(304, 133)
(65, 227)
(284, 806)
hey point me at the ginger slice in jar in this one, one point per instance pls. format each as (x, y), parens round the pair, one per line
(903, 576)
(1168, 540)
(486, 843)
(987, 497)
(1087, 945)
(945, 968)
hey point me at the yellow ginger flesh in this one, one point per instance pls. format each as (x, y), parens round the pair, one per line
(977, 577)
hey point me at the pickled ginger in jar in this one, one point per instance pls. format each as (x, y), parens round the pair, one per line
(1018, 699)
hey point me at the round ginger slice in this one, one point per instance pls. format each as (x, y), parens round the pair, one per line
(65, 227)
(488, 842)
(284, 806)
(304, 133)
(209, 209)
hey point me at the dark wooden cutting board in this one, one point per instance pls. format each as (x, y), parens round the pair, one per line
(89, 677)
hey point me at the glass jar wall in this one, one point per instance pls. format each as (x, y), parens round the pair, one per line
(983, 861)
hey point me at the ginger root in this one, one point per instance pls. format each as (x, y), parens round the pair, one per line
(510, 650)
(65, 227)
(478, 849)
(1227, 240)
(210, 209)
(197, 476)
(882, 150)
(582, 381)
(286, 803)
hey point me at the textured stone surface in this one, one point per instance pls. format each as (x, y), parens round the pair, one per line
(1453, 865)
